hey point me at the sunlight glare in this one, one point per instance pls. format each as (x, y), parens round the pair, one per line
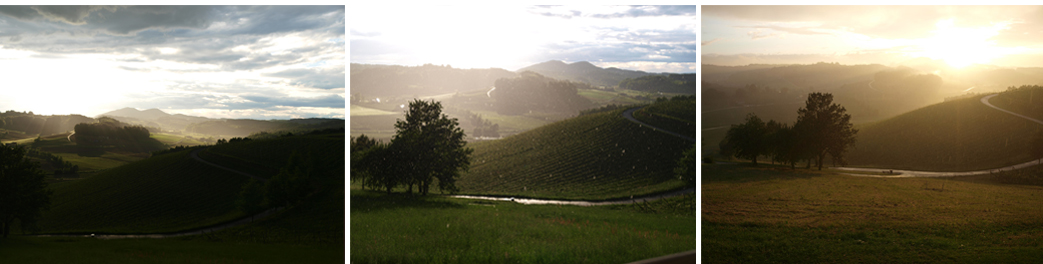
(961, 47)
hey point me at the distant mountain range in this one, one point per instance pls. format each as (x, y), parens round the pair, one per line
(584, 72)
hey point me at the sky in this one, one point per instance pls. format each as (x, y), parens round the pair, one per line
(958, 36)
(647, 38)
(259, 62)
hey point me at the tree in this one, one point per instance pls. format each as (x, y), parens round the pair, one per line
(23, 191)
(688, 166)
(747, 140)
(826, 128)
(429, 145)
(251, 198)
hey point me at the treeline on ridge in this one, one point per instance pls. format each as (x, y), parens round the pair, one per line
(670, 83)
(32, 124)
(532, 91)
(108, 130)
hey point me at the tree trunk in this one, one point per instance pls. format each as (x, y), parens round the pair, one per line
(819, 163)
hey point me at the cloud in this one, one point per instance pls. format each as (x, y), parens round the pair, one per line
(800, 31)
(892, 22)
(330, 78)
(329, 101)
(704, 43)
(867, 57)
(645, 11)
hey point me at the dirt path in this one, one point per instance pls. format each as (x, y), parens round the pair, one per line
(629, 115)
(580, 203)
(913, 173)
(196, 231)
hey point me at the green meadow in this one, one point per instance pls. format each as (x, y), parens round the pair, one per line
(400, 228)
(771, 214)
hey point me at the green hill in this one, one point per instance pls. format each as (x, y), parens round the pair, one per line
(596, 156)
(951, 136)
(161, 194)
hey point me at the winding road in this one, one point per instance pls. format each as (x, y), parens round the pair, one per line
(913, 173)
(629, 115)
(196, 231)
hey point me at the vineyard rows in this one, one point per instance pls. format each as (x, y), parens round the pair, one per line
(598, 156)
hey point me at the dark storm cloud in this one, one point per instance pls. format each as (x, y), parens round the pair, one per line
(205, 34)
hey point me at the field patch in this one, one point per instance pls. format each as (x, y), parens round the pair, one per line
(768, 213)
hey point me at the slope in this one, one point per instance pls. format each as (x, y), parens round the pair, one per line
(161, 194)
(957, 135)
(583, 72)
(596, 156)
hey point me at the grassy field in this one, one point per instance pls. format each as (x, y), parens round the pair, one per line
(957, 135)
(174, 250)
(91, 159)
(768, 214)
(14, 136)
(356, 110)
(408, 229)
(603, 97)
(176, 140)
(598, 156)
(165, 193)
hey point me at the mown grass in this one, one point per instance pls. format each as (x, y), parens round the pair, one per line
(772, 214)
(407, 229)
(89, 250)
(165, 193)
(598, 156)
(957, 135)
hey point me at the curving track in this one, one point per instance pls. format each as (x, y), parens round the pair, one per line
(913, 173)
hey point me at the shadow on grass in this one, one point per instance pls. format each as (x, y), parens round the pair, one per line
(746, 172)
(363, 201)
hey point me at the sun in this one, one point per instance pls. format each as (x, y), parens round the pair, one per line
(961, 46)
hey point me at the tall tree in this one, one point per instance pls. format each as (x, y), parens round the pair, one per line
(747, 140)
(23, 191)
(432, 147)
(826, 128)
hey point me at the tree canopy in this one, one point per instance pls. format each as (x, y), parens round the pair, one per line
(829, 126)
(23, 191)
(822, 128)
(427, 146)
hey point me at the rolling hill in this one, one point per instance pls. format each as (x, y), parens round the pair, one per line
(952, 136)
(173, 192)
(583, 72)
(596, 156)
